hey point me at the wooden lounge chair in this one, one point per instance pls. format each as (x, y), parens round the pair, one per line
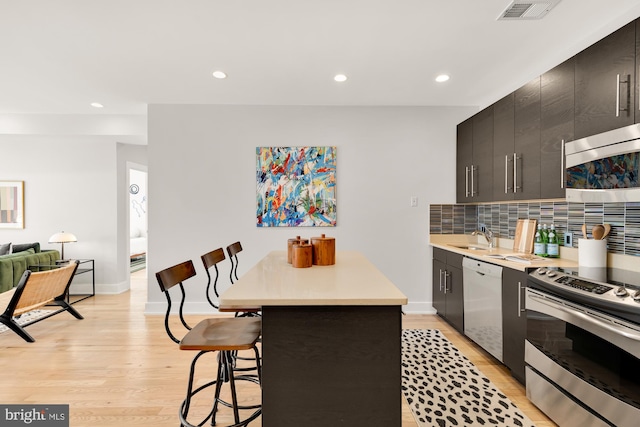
(34, 291)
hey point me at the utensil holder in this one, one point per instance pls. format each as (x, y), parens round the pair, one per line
(592, 253)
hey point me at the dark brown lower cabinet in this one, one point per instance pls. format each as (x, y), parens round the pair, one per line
(447, 287)
(514, 321)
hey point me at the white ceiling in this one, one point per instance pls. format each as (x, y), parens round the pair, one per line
(59, 56)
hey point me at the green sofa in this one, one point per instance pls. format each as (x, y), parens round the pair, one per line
(13, 265)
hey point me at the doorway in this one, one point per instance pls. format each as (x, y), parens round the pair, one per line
(137, 220)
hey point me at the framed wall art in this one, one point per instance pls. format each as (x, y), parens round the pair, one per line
(11, 204)
(296, 186)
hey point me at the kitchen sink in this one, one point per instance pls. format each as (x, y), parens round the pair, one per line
(470, 247)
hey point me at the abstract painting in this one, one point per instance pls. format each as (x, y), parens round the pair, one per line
(11, 204)
(296, 186)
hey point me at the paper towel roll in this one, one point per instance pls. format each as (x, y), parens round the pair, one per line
(592, 253)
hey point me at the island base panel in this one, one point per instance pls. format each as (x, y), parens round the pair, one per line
(331, 366)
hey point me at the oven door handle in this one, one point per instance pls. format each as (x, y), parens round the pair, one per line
(587, 317)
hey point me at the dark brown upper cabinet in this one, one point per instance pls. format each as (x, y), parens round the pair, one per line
(557, 122)
(526, 156)
(503, 148)
(464, 159)
(482, 174)
(474, 174)
(513, 150)
(605, 83)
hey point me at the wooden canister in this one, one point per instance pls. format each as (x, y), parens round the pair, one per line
(290, 244)
(324, 250)
(302, 255)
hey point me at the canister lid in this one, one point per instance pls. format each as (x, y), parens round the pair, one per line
(323, 237)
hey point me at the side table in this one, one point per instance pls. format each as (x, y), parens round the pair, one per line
(84, 266)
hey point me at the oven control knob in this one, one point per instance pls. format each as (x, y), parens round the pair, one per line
(636, 296)
(551, 273)
(621, 291)
(542, 270)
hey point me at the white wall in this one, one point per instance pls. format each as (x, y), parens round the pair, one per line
(70, 186)
(202, 184)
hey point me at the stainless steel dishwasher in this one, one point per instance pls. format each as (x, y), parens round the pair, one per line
(482, 285)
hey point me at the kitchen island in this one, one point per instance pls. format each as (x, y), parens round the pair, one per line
(331, 341)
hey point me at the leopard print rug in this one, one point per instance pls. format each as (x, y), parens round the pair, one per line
(443, 388)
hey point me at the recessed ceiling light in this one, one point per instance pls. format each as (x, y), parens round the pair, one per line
(219, 74)
(442, 78)
(340, 78)
(96, 105)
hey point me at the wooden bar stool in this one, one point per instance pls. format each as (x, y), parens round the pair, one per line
(224, 335)
(233, 250)
(211, 259)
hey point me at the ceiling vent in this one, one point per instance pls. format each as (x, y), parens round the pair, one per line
(531, 9)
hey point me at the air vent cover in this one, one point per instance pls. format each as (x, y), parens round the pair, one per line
(527, 9)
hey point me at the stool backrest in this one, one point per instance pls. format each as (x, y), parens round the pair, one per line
(167, 279)
(233, 250)
(211, 259)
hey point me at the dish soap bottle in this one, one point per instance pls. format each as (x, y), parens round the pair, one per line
(553, 246)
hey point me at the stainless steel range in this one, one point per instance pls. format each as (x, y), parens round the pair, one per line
(583, 346)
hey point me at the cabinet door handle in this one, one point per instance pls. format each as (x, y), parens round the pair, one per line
(516, 187)
(440, 280)
(466, 181)
(562, 160)
(520, 309)
(618, 83)
(473, 187)
(446, 281)
(618, 95)
(506, 174)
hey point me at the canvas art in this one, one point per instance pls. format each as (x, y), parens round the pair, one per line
(296, 186)
(11, 204)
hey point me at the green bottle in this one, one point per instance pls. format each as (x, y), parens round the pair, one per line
(553, 245)
(539, 247)
(545, 239)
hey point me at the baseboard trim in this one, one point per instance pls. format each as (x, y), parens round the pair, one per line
(419, 308)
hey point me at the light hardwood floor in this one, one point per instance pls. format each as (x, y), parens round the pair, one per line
(117, 367)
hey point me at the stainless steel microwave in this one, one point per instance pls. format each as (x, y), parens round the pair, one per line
(604, 167)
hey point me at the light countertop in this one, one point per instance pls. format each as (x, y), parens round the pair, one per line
(451, 242)
(352, 280)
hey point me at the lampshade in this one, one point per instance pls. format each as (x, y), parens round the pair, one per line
(62, 237)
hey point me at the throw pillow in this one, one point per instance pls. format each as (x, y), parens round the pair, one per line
(5, 248)
(23, 247)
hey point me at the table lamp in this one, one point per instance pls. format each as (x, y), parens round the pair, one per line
(62, 238)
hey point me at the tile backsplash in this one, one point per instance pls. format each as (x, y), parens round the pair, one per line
(501, 218)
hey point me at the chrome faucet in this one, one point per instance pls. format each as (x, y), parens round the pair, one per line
(487, 234)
